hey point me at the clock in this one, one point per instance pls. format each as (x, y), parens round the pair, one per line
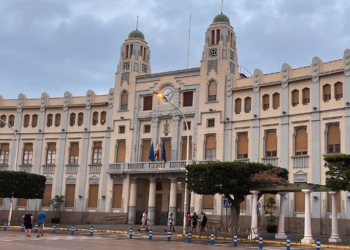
(168, 94)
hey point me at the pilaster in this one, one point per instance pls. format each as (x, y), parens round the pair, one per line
(175, 137)
(281, 233)
(254, 220)
(228, 118)
(335, 233)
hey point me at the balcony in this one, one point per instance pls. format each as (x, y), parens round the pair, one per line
(300, 161)
(72, 169)
(26, 168)
(94, 168)
(4, 167)
(49, 169)
(270, 161)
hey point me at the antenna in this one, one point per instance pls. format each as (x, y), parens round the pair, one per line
(222, 3)
(189, 37)
(137, 22)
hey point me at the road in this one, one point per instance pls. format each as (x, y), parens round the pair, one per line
(65, 241)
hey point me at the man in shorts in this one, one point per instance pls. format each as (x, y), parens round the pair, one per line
(194, 221)
(41, 220)
(28, 220)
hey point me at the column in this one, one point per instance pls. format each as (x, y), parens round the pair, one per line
(192, 203)
(175, 136)
(152, 201)
(307, 220)
(335, 235)
(281, 234)
(254, 222)
(172, 200)
(132, 201)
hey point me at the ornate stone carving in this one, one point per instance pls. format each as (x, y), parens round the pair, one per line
(155, 120)
(347, 62)
(110, 98)
(229, 84)
(89, 97)
(315, 67)
(66, 100)
(166, 127)
(20, 102)
(166, 84)
(256, 80)
(285, 75)
(43, 101)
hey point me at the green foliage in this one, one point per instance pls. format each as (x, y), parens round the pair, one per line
(56, 203)
(338, 175)
(270, 208)
(22, 185)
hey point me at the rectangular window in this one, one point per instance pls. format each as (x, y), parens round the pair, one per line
(146, 145)
(121, 129)
(97, 153)
(34, 121)
(47, 195)
(210, 147)
(208, 201)
(147, 128)
(51, 154)
(147, 102)
(93, 195)
(299, 202)
(187, 99)
(188, 125)
(28, 154)
(121, 149)
(184, 148)
(117, 195)
(211, 123)
(333, 139)
(301, 141)
(242, 146)
(70, 194)
(74, 153)
(12, 120)
(57, 120)
(22, 202)
(4, 153)
(26, 121)
(271, 144)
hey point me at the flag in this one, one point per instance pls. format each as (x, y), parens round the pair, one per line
(163, 151)
(151, 153)
(156, 153)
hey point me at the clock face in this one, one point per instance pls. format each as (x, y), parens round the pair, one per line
(168, 94)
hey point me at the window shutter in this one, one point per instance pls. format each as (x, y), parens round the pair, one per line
(167, 143)
(301, 140)
(295, 96)
(243, 143)
(121, 152)
(26, 120)
(94, 117)
(147, 102)
(22, 202)
(276, 100)
(238, 102)
(28, 147)
(117, 195)
(145, 150)
(47, 195)
(93, 195)
(11, 119)
(98, 144)
(299, 202)
(184, 149)
(187, 99)
(266, 99)
(34, 120)
(248, 101)
(57, 120)
(74, 149)
(329, 203)
(306, 93)
(103, 117)
(4, 147)
(338, 88)
(124, 98)
(212, 88)
(208, 201)
(52, 147)
(81, 115)
(327, 89)
(70, 193)
(333, 136)
(210, 142)
(271, 141)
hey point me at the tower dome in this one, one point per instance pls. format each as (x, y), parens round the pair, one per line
(221, 18)
(136, 34)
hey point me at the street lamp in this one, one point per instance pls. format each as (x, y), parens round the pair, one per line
(161, 95)
(14, 168)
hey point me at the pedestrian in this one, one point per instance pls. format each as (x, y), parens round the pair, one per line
(144, 220)
(194, 221)
(171, 222)
(28, 224)
(41, 220)
(188, 220)
(204, 222)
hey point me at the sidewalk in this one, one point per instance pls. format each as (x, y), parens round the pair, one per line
(160, 230)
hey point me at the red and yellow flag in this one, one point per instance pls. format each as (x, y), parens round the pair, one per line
(156, 153)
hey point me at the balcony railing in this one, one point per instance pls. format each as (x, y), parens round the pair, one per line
(270, 161)
(242, 160)
(49, 169)
(300, 161)
(4, 167)
(26, 168)
(94, 168)
(72, 169)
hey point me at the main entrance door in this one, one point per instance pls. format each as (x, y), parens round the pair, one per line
(158, 209)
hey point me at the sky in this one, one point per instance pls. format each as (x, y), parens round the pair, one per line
(55, 46)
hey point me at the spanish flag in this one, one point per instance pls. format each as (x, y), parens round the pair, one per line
(156, 153)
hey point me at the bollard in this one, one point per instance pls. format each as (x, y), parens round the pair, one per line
(150, 237)
(92, 230)
(235, 240)
(130, 233)
(169, 235)
(22, 227)
(260, 241)
(189, 236)
(288, 243)
(72, 229)
(53, 228)
(211, 238)
(318, 244)
(36, 228)
(5, 226)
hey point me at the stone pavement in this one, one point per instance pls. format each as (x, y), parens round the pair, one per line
(160, 230)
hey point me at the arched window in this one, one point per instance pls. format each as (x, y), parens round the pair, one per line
(124, 101)
(266, 102)
(306, 96)
(275, 100)
(247, 104)
(295, 97)
(338, 90)
(72, 119)
(238, 105)
(26, 121)
(49, 120)
(212, 91)
(80, 118)
(326, 92)
(34, 120)
(12, 120)
(103, 117)
(57, 120)
(300, 141)
(94, 118)
(3, 120)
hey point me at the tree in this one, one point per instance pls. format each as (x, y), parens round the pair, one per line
(338, 175)
(232, 179)
(56, 203)
(21, 185)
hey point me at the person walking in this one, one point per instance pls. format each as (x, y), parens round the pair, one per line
(28, 224)
(171, 222)
(41, 220)
(194, 221)
(188, 221)
(204, 222)
(144, 220)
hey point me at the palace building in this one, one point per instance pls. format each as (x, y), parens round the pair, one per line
(94, 149)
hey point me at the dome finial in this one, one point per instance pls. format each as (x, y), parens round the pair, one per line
(137, 22)
(222, 4)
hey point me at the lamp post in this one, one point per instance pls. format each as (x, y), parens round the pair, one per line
(187, 154)
(14, 169)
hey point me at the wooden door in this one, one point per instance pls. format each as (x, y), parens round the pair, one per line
(157, 219)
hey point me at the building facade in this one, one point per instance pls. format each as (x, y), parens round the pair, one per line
(94, 149)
